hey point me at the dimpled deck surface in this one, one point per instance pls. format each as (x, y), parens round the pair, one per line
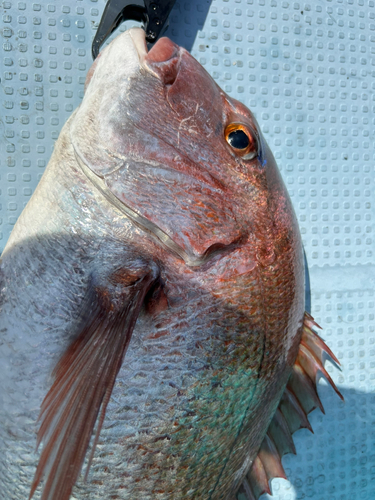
(307, 71)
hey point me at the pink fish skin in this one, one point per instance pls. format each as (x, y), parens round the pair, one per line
(153, 287)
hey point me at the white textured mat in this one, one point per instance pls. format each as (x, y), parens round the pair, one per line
(307, 71)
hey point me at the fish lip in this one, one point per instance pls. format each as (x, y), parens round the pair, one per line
(165, 69)
(138, 36)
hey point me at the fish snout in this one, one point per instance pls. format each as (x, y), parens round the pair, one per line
(164, 60)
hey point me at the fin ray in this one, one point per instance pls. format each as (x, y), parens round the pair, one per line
(299, 399)
(84, 379)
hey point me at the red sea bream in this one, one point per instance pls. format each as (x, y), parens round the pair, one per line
(152, 324)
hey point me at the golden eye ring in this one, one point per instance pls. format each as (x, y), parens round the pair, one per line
(241, 140)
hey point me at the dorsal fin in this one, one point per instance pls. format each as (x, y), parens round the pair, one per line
(299, 399)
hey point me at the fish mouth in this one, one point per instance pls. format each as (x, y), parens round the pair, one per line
(162, 60)
(138, 37)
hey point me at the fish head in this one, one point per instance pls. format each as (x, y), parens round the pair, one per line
(187, 162)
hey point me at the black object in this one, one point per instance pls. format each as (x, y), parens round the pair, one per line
(152, 13)
(238, 139)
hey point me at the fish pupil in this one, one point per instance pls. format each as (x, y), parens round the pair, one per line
(238, 139)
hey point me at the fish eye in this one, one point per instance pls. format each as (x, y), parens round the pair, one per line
(243, 141)
(238, 139)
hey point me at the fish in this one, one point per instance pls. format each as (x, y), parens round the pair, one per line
(153, 330)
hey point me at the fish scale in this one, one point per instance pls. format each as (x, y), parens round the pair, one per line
(132, 401)
(168, 333)
(225, 402)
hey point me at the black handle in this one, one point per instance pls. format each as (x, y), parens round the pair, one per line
(152, 13)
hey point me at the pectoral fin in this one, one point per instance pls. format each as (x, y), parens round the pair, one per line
(84, 378)
(299, 399)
